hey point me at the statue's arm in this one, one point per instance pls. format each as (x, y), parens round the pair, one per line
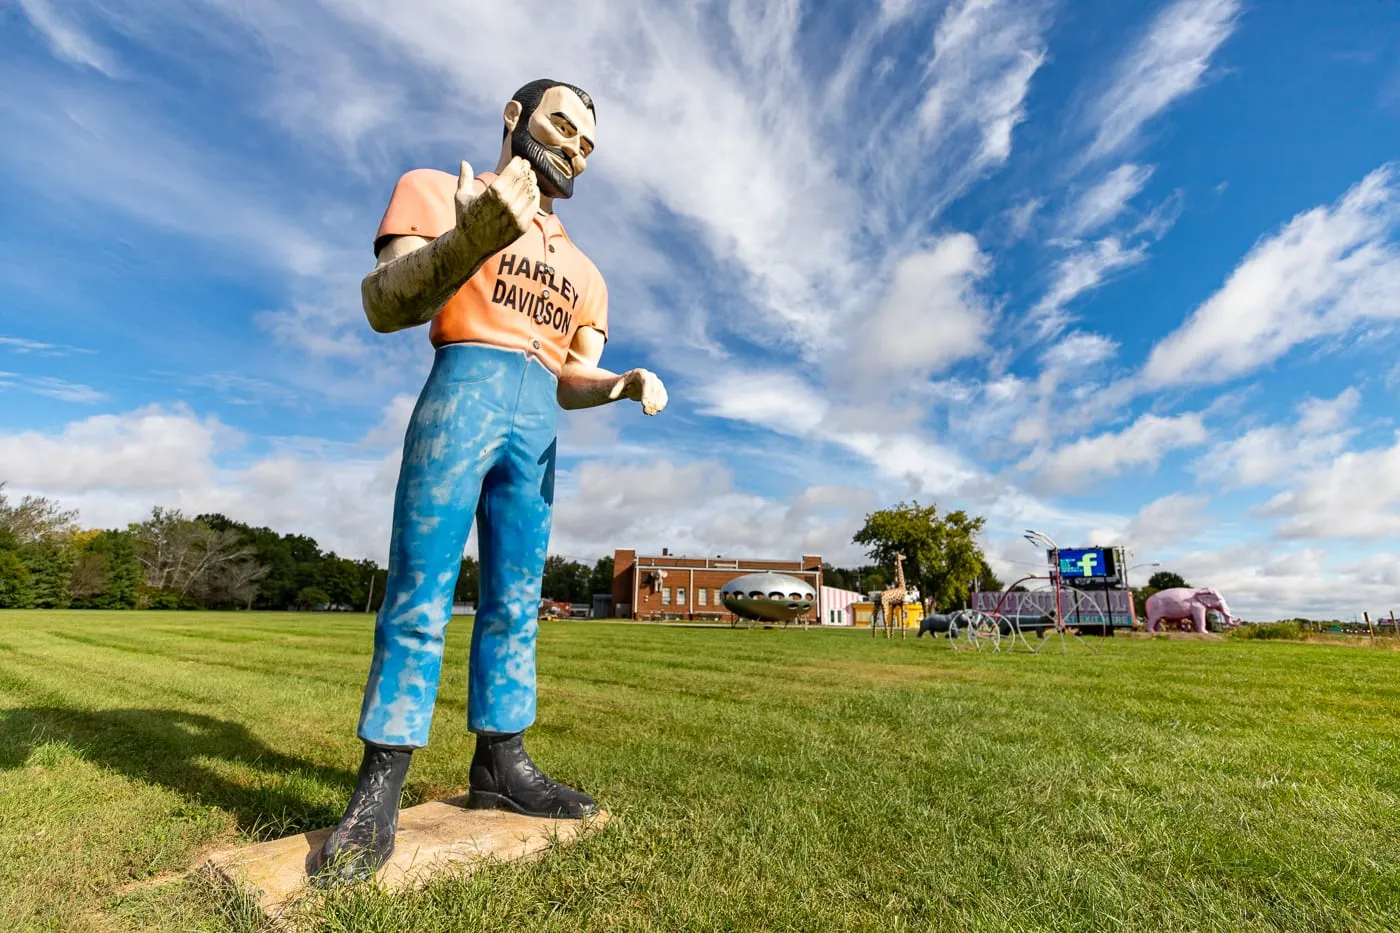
(585, 384)
(414, 276)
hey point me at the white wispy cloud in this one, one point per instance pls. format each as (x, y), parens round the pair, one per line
(147, 449)
(1141, 445)
(1080, 271)
(1354, 495)
(1328, 270)
(1073, 374)
(933, 315)
(1106, 199)
(1160, 523)
(114, 468)
(38, 347)
(51, 387)
(1170, 61)
(65, 37)
(987, 51)
(1273, 454)
(1264, 581)
(1020, 217)
(90, 148)
(775, 399)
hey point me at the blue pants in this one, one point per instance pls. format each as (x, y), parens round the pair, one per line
(481, 441)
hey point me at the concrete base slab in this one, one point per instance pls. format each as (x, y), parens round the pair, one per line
(432, 838)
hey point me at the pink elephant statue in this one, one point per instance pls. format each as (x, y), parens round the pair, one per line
(1187, 602)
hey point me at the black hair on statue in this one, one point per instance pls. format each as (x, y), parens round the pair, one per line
(529, 96)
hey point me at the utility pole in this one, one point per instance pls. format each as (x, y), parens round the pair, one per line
(370, 598)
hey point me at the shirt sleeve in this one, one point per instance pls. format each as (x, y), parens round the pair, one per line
(595, 311)
(422, 205)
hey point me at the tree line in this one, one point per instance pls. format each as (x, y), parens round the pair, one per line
(209, 561)
(566, 581)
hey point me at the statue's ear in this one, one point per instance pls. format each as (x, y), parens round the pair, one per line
(512, 114)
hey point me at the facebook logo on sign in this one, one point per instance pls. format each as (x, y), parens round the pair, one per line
(1088, 562)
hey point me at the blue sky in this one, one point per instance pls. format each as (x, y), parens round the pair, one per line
(1122, 272)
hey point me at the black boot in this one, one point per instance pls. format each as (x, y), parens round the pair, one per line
(504, 778)
(364, 840)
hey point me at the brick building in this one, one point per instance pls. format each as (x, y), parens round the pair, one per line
(668, 586)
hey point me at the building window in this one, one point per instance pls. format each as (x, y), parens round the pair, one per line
(703, 594)
(680, 596)
(665, 596)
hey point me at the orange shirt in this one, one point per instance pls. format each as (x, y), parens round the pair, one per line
(531, 296)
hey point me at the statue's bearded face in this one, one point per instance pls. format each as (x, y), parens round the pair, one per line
(556, 138)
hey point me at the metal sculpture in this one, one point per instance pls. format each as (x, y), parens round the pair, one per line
(768, 597)
(1005, 620)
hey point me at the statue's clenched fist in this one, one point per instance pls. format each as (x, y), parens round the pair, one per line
(642, 385)
(499, 215)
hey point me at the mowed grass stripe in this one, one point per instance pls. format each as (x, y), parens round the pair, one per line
(779, 780)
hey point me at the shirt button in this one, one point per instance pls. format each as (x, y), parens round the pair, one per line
(544, 293)
(535, 344)
(551, 247)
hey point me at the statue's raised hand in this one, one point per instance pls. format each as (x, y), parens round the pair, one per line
(499, 215)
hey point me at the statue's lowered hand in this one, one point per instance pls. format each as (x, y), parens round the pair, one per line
(499, 215)
(641, 385)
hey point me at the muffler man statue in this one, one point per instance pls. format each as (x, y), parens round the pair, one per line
(518, 317)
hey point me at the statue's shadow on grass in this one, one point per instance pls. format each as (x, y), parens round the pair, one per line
(273, 796)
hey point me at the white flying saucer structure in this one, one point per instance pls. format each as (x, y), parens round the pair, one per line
(768, 597)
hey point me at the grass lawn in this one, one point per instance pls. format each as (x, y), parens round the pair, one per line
(764, 780)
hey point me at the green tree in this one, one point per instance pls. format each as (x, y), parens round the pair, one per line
(1165, 580)
(941, 555)
(342, 579)
(836, 577)
(89, 578)
(378, 585)
(311, 597)
(106, 573)
(601, 579)
(15, 590)
(50, 565)
(468, 582)
(293, 563)
(856, 579)
(566, 580)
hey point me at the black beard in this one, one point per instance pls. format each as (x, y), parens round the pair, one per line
(553, 182)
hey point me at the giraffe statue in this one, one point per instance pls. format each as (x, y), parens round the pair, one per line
(892, 597)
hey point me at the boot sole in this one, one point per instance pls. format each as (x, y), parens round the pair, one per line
(482, 800)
